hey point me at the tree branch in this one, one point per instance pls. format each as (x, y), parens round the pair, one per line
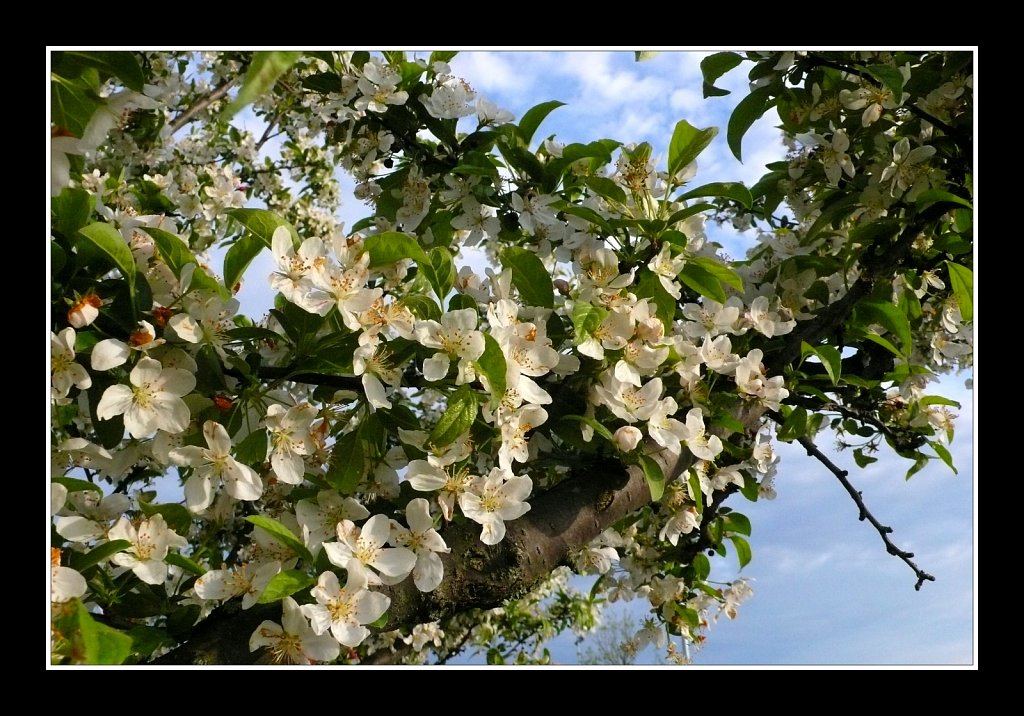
(215, 94)
(951, 131)
(865, 514)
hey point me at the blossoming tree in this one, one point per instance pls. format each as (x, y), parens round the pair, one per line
(410, 452)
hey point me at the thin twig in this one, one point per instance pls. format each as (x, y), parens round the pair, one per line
(189, 114)
(865, 514)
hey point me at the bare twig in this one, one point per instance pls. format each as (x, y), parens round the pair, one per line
(215, 94)
(865, 514)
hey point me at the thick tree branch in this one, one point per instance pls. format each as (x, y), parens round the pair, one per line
(865, 514)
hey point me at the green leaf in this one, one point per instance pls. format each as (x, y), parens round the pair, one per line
(605, 187)
(284, 584)
(176, 254)
(938, 196)
(655, 477)
(698, 496)
(180, 560)
(687, 143)
(109, 240)
(348, 463)
(440, 271)
(889, 317)
(701, 566)
(422, 306)
(533, 117)
(730, 190)
(101, 644)
(530, 277)
(282, 534)
(147, 639)
(961, 280)
(937, 400)
(176, 516)
(795, 425)
(875, 338)
(457, 418)
(71, 210)
(73, 484)
(748, 111)
(890, 76)
(460, 301)
(861, 459)
(122, 65)
(724, 274)
(735, 522)
(713, 67)
(830, 358)
(598, 427)
(585, 320)
(391, 246)
(82, 562)
(72, 104)
(742, 550)
(253, 449)
(263, 73)
(700, 280)
(493, 366)
(260, 225)
(263, 224)
(943, 454)
(649, 286)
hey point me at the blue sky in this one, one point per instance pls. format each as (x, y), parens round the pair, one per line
(825, 591)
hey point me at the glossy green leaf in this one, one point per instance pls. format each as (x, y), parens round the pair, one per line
(961, 280)
(597, 427)
(701, 566)
(284, 584)
(530, 277)
(82, 562)
(109, 240)
(938, 196)
(698, 496)
(71, 210)
(457, 418)
(654, 475)
(648, 285)
(889, 317)
(180, 560)
(700, 280)
(687, 143)
(730, 190)
(830, 358)
(937, 400)
(735, 522)
(605, 187)
(262, 224)
(72, 104)
(748, 111)
(713, 67)
(264, 71)
(101, 644)
(533, 117)
(348, 463)
(724, 274)
(795, 425)
(119, 64)
(391, 246)
(439, 268)
(282, 534)
(743, 553)
(585, 320)
(493, 366)
(252, 451)
(943, 454)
